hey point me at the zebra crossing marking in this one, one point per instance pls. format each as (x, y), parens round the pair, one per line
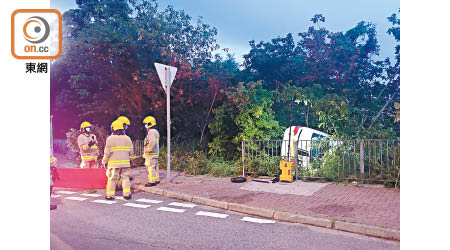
(92, 195)
(215, 215)
(104, 201)
(66, 192)
(256, 220)
(182, 204)
(75, 198)
(169, 209)
(149, 201)
(129, 204)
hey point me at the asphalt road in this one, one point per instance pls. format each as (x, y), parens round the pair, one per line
(166, 224)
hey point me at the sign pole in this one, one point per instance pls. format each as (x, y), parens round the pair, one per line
(168, 121)
(167, 74)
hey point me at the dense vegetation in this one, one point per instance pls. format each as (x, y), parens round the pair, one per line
(106, 70)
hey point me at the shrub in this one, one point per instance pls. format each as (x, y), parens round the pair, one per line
(268, 167)
(198, 163)
(222, 168)
(190, 162)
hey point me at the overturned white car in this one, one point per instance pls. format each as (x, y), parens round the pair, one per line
(308, 144)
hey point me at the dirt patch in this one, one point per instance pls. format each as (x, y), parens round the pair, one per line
(241, 199)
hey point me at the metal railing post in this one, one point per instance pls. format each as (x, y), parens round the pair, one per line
(361, 158)
(296, 159)
(243, 158)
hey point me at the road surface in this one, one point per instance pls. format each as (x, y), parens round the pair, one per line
(155, 222)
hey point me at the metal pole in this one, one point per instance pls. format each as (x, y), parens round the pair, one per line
(243, 158)
(301, 153)
(296, 160)
(361, 159)
(168, 122)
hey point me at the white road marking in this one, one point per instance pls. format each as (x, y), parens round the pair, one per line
(149, 201)
(182, 204)
(250, 219)
(66, 192)
(55, 195)
(169, 209)
(136, 205)
(75, 198)
(120, 198)
(92, 195)
(104, 201)
(216, 215)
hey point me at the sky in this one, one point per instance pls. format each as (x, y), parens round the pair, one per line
(240, 21)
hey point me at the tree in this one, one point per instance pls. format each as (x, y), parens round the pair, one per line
(306, 97)
(341, 63)
(106, 69)
(392, 87)
(246, 115)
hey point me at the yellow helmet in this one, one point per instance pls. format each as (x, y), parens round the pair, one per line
(117, 124)
(150, 120)
(85, 125)
(124, 119)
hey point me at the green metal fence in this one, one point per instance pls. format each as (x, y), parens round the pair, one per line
(368, 159)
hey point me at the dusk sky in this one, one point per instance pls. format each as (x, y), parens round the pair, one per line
(240, 21)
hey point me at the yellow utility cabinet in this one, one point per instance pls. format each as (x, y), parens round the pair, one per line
(287, 167)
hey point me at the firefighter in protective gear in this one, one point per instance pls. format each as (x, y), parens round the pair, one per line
(87, 143)
(52, 177)
(126, 124)
(151, 151)
(117, 156)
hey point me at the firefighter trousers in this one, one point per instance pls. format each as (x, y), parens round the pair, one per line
(152, 169)
(113, 175)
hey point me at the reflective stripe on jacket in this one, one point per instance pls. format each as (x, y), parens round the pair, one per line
(118, 151)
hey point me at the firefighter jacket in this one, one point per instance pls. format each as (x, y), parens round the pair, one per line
(118, 151)
(151, 144)
(52, 161)
(88, 153)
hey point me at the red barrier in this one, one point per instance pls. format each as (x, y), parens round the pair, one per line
(81, 178)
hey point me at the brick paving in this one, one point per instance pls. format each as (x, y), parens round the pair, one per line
(371, 205)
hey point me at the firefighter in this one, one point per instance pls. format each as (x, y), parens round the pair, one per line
(118, 152)
(52, 177)
(151, 151)
(126, 124)
(87, 143)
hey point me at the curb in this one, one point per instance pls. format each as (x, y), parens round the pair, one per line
(210, 202)
(297, 218)
(266, 213)
(368, 230)
(373, 231)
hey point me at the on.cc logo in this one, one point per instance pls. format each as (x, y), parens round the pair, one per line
(36, 29)
(36, 34)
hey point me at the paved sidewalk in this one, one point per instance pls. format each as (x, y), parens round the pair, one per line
(369, 205)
